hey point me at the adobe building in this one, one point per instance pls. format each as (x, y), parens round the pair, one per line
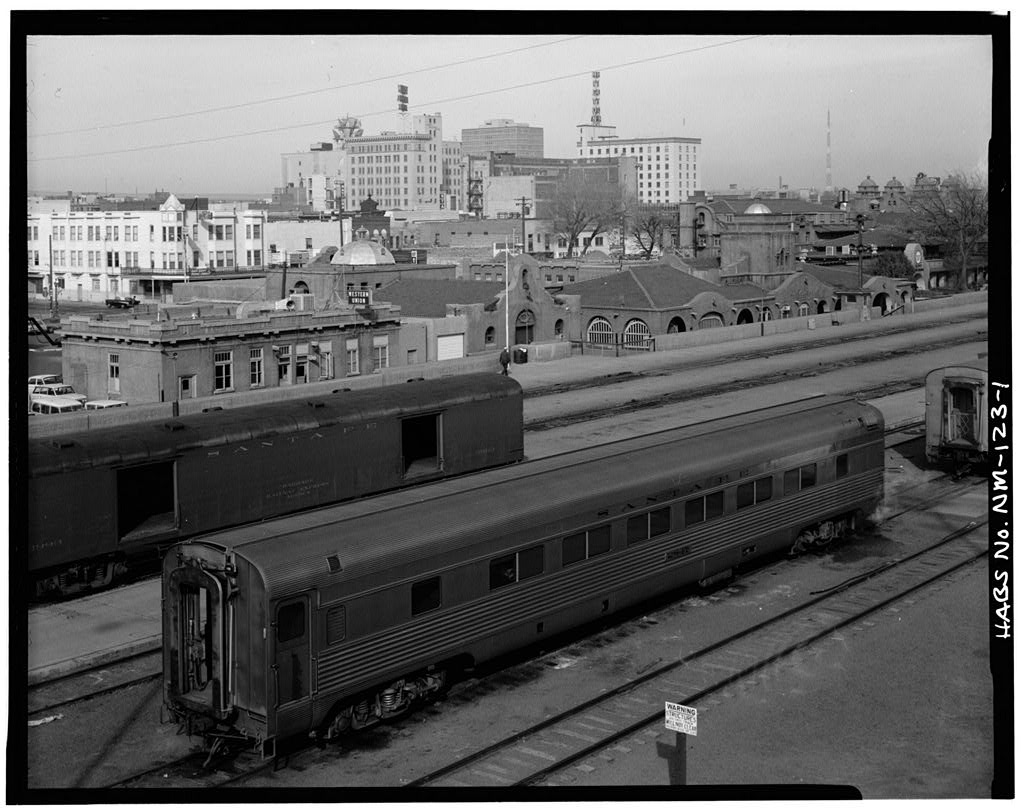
(470, 315)
(630, 307)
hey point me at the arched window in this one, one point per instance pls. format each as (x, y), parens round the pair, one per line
(804, 310)
(489, 336)
(560, 328)
(300, 288)
(636, 334)
(600, 331)
(744, 316)
(712, 320)
(676, 325)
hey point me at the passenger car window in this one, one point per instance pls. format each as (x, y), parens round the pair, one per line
(426, 595)
(291, 622)
(503, 571)
(531, 562)
(599, 540)
(842, 466)
(574, 548)
(714, 505)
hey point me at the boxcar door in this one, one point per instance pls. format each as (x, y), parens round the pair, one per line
(291, 658)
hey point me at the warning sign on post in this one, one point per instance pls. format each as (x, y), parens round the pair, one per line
(680, 718)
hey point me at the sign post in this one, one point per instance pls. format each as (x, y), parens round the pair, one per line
(683, 721)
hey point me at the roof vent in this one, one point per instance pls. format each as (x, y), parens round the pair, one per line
(212, 409)
(333, 563)
(315, 403)
(62, 443)
(173, 426)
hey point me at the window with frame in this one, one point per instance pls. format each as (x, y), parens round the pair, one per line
(753, 492)
(256, 367)
(113, 373)
(517, 566)
(708, 507)
(842, 466)
(380, 353)
(222, 370)
(352, 356)
(426, 595)
(651, 524)
(586, 544)
(284, 365)
(795, 480)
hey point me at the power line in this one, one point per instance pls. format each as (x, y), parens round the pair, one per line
(287, 127)
(300, 94)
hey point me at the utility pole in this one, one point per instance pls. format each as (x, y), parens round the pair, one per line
(524, 210)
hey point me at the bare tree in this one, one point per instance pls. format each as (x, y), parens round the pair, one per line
(647, 226)
(584, 207)
(955, 215)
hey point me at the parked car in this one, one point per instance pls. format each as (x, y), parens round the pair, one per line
(45, 379)
(43, 405)
(123, 303)
(62, 390)
(104, 404)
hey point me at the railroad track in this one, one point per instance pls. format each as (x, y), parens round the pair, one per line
(538, 753)
(691, 365)
(560, 742)
(92, 682)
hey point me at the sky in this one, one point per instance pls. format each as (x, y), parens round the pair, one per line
(200, 114)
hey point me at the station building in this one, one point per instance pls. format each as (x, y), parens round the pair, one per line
(631, 306)
(206, 348)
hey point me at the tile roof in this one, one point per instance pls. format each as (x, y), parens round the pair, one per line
(744, 292)
(841, 278)
(421, 297)
(657, 286)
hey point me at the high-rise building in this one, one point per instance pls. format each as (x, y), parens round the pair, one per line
(504, 135)
(668, 169)
(400, 170)
(318, 173)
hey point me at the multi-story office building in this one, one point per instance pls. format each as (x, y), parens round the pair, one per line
(403, 170)
(668, 168)
(453, 177)
(92, 255)
(319, 173)
(504, 135)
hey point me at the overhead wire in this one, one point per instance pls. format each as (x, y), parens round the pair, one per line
(424, 105)
(301, 93)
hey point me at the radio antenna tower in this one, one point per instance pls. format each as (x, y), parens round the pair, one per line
(595, 108)
(403, 105)
(828, 152)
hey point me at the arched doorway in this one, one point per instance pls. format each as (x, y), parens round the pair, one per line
(636, 335)
(525, 322)
(881, 300)
(300, 288)
(676, 326)
(600, 331)
(745, 316)
(822, 307)
(838, 304)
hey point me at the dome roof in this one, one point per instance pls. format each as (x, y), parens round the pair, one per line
(758, 207)
(362, 253)
(894, 183)
(867, 183)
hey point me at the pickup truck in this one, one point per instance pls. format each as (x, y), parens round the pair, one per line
(122, 303)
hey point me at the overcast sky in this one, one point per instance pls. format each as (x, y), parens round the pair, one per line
(899, 104)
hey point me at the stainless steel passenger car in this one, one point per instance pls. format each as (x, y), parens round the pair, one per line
(956, 413)
(101, 499)
(335, 618)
